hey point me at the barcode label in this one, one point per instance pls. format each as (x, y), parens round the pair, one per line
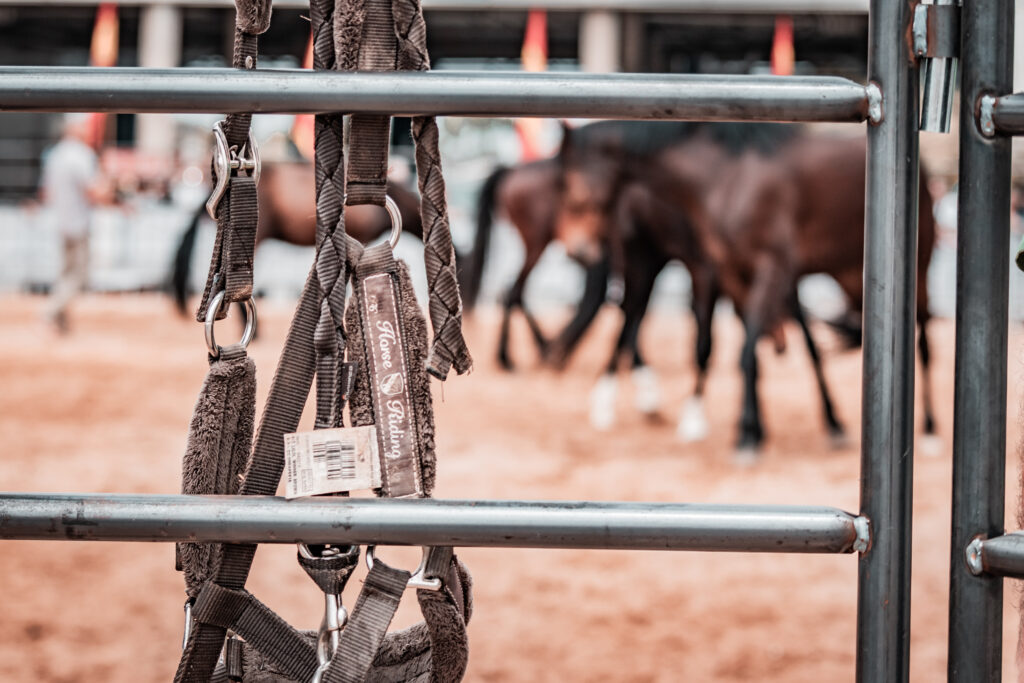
(337, 457)
(331, 461)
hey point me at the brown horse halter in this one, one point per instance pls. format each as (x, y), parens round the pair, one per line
(351, 366)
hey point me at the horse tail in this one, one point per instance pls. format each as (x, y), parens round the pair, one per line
(472, 273)
(183, 261)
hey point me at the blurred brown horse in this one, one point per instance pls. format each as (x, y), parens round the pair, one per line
(287, 212)
(765, 215)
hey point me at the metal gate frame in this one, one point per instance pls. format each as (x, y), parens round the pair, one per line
(881, 533)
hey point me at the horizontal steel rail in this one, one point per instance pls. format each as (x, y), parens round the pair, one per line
(446, 93)
(668, 6)
(1008, 114)
(998, 556)
(257, 519)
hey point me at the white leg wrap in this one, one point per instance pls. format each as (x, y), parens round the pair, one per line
(646, 395)
(602, 403)
(693, 424)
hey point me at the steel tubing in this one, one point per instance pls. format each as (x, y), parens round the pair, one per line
(999, 556)
(1008, 114)
(890, 260)
(451, 93)
(979, 394)
(256, 519)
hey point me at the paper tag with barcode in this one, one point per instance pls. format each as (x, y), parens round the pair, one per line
(331, 461)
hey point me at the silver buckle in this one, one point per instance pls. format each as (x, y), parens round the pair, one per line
(419, 578)
(227, 159)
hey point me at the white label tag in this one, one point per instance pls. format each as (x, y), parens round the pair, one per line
(331, 461)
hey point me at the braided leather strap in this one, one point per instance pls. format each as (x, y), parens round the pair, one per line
(329, 338)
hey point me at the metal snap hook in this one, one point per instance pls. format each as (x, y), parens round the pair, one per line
(396, 220)
(211, 317)
(227, 159)
(419, 577)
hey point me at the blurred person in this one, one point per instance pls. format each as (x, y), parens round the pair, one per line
(71, 185)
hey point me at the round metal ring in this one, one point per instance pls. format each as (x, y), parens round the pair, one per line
(396, 220)
(211, 316)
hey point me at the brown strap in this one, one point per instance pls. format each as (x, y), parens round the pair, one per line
(377, 47)
(259, 626)
(362, 637)
(217, 451)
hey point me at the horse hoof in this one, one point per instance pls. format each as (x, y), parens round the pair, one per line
(930, 445)
(693, 425)
(602, 403)
(746, 456)
(647, 397)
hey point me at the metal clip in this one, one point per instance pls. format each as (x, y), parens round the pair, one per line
(228, 159)
(187, 632)
(419, 578)
(329, 635)
(213, 308)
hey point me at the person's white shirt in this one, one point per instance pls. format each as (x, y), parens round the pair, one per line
(69, 170)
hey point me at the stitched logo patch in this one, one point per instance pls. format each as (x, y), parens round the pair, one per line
(388, 369)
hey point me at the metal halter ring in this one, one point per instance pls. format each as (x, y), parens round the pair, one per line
(419, 578)
(227, 159)
(396, 220)
(213, 308)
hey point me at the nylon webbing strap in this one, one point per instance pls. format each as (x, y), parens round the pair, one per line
(332, 246)
(251, 18)
(240, 611)
(371, 135)
(281, 415)
(331, 573)
(368, 625)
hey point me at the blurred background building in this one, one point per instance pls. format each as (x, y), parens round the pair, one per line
(161, 162)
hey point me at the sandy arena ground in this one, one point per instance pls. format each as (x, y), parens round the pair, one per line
(107, 408)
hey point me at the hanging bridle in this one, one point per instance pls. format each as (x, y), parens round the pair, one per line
(369, 354)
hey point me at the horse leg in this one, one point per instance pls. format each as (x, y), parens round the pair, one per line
(931, 444)
(605, 392)
(763, 306)
(514, 299)
(588, 308)
(637, 297)
(693, 423)
(835, 428)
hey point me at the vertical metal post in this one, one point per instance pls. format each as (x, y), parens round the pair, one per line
(890, 247)
(979, 423)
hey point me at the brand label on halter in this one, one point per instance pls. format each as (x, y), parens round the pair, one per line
(331, 461)
(389, 387)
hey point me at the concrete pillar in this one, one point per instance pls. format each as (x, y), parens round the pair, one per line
(600, 41)
(160, 34)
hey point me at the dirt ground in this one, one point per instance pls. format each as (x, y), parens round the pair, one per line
(106, 410)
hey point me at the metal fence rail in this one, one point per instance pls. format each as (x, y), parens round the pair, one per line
(1008, 114)
(890, 103)
(516, 524)
(999, 556)
(450, 93)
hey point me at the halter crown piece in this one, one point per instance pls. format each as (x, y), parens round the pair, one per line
(369, 355)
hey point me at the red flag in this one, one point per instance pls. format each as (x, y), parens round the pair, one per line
(103, 52)
(534, 57)
(783, 53)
